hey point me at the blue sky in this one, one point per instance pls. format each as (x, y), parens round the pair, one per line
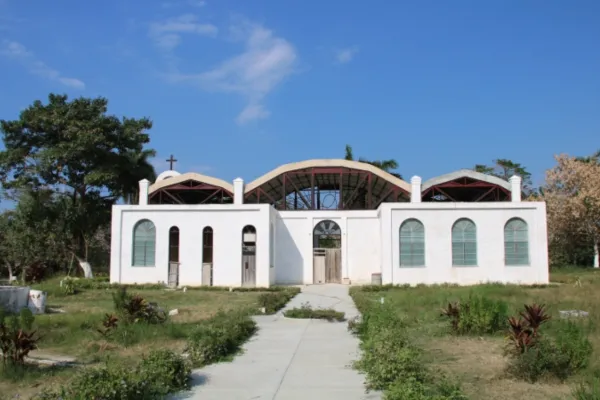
(236, 88)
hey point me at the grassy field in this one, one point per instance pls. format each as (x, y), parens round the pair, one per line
(74, 332)
(478, 363)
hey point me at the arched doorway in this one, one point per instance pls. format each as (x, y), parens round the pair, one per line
(173, 256)
(249, 256)
(327, 252)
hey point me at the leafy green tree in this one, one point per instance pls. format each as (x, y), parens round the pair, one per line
(504, 168)
(86, 158)
(386, 165)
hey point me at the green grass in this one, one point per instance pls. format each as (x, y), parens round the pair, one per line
(74, 333)
(478, 361)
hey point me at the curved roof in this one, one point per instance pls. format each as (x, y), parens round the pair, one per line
(326, 163)
(193, 177)
(468, 173)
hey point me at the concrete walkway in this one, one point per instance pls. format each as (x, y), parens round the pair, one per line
(291, 359)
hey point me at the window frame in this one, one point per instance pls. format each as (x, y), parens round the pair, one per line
(464, 242)
(146, 252)
(413, 264)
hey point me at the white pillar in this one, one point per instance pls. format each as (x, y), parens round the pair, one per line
(238, 191)
(515, 188)
(415, 190)
(143, 198)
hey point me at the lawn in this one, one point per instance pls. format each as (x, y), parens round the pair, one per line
(74, 333)
(478, 362)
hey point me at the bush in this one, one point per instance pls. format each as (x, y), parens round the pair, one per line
(16, 337)
(391, 361)
(168, 372)
(307, 312)
(477, 315)
(219, 337)
(134, 308)
(161, 373)
(275, 300)
(534, 355)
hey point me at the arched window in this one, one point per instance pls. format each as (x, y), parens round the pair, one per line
(207, 245)
(464, 243)
(516, 242)
(412, 243)
(144, 244)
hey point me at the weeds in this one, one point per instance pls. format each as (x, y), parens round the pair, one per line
(276, 300)
(219, 337)
(134, 308)
(307, 312)
(15, 340)
(477, 315)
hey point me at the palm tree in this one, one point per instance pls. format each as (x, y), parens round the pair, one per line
(384, 165)
(139, 168)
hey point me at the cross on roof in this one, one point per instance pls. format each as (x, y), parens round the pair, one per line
(171, 161)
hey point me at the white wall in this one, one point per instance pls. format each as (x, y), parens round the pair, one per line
(489, 218)
(360, 244)
(227, 222)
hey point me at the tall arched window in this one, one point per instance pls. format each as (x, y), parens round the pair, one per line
(207, 245)
(516, 242)
(144, 244)
(464, 243)
(412, 243)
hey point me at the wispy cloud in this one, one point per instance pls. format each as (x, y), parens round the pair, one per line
(346, 55)
(167, 34)
(266, 61)
(16, 51)
(197, 3)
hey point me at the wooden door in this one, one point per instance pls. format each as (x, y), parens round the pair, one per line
(333, 266)
(207, 274)
(249, 266)
(173, 274)
(319, 265)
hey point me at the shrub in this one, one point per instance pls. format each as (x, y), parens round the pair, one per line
(392, 362)
(161, 373)
(109, 324)
(477, 315)
(560, 356)
(134, 308)
(275, 300)
(307, 312)
(15, 340)
(415, 390)
(168, 372)
(67, 286)
(219, 337)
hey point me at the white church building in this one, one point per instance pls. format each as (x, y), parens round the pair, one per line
(329, 221)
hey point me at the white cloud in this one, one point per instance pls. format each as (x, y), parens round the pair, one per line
(167, 34)
(264, 64)
(344, 56)
(18, 52)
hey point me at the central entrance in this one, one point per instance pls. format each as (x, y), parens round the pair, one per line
(327, 252)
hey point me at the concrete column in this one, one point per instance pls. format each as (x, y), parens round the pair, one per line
(143, 198)
(415, 191)
(515, 188)
(238, 191)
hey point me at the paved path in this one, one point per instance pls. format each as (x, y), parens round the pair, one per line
(291, 359)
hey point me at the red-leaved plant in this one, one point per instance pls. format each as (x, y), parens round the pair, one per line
(523, 332)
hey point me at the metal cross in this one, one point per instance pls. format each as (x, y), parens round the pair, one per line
(171, 160)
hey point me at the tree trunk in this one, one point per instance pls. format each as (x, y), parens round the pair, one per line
(596, 258)
(85, 266)
(10, 271)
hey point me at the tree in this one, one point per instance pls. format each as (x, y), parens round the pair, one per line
(572, 195)
(386, 165)
(86, 158)
(504, 168)
(28, 234)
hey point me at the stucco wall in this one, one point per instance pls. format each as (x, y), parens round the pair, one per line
(227, 223)
(489, 218)
(360, 244)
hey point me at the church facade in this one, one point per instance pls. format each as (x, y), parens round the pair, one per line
(329, 221)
